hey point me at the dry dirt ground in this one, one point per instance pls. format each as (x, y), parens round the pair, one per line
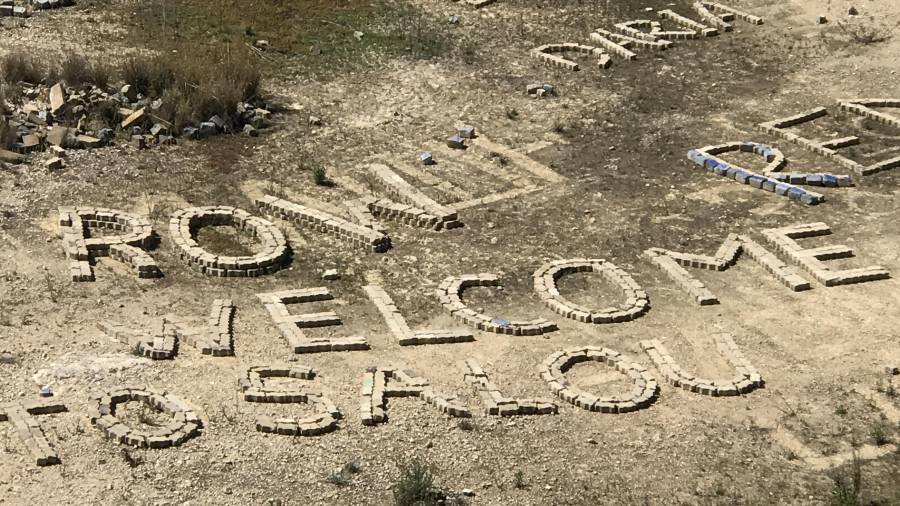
(618, 139)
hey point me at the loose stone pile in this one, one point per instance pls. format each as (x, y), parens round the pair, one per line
(673, 263)
(81, 249)
(637, 303)
(747, 379)
(449, 293)
(400, 328)
(546, 54)
(20, 414)
(829, 148)
(495, 403)
(553, 369)
(398, 189)
(779, 183)
(254, 389)
(184, 426)
(326, 223)
(783, 240)
(291, 325)
(185, 223)
(383, 383)
(61, 117)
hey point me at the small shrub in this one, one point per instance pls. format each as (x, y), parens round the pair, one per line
(76, 70)
(415, 485)
(847, 490)
(149, 75)
(20, 67)
(342, 476)
(519, 480)
(867, 31)
(466, 424)
(880, 432)
(840, 410)
(512, 114)
(559, 126)
(320, 176)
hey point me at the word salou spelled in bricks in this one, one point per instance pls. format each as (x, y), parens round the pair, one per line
(771, 180)
(828, 148)
(75, 225)
(546, 54)
(812, 259)
(747, 379)
(673, 263)
(637, 303)
(186, 223)
(644, 393)
(397, 188)
(400, 328)
(326, 223)
(449, 293)
(21, 414)
(495, 403)
(185, 423)
(290, 325)
(383, 383)
(254, 389)
(161, 340)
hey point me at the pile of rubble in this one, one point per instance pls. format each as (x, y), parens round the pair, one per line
(63, 117)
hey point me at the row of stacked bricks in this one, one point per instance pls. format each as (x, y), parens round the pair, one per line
(217, 338)
(291, 325)
(325, 223)
(637, 302)
(29, 430)
(403, 213)
(746, 380)
(720, 21)
(778, 127)
(644, 393)
(545, 54)
(185, 423)
(673, 263)
(449, 293)
(399, 327)
(656, 33)
(359, 211)
(398, 189)
(496, 403)
(185, 223)
(705, 157)
(75, 224)
(375, 392)
(862, 106)
(698, 28)
(158, 342)
(729, 13)
(774, 265)
(783, 240)
(254, 389)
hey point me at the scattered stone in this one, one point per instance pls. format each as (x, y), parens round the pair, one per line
(821, 20)
(454, 19)
(250, 131)
(129, 92)
(158, 129)
(46, 391)
(467, 132)
(331, 275)
(261, 44)
(57, 98)
(852, 11)
(30, 142)
(54, 163)
(426, 158)
(892, 370)
(314, 121)
(456, 142)
(88, 142)
(58, 151)
(10, 157)
(207, 129)
(57, 136)
(219, 122)
(133, 119)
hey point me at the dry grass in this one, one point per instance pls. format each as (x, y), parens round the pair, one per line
(18, 67)
(76, 70)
